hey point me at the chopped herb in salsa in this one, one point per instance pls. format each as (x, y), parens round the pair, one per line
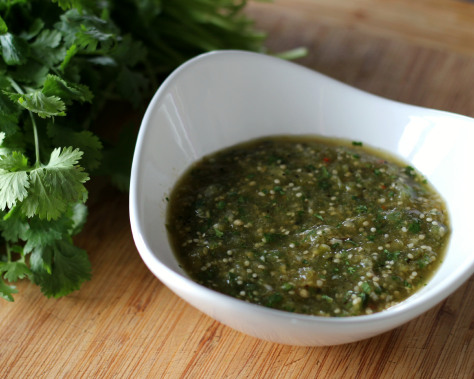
(308, 225)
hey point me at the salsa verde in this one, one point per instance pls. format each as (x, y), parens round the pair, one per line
(316, 226)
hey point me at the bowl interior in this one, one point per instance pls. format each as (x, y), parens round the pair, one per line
(223, 98)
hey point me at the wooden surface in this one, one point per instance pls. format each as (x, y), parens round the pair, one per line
(125, 323)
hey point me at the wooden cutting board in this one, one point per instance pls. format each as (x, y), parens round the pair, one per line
(125, 323)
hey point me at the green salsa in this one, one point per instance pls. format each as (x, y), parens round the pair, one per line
(309, 225)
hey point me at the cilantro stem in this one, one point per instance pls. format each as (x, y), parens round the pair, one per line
(18, 89)
(15, 86)
(35, 133)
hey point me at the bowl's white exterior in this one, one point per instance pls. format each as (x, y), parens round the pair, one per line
(221, 98)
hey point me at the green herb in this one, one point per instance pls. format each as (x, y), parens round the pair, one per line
(414, 226)
(325, 173)
(318, 216)
(391, 256)
(362, 209)
(279, 189)
(218, 233)
(366, 288)
(61, 63)
(423, 262)
(410, 171)
(357, 143)
(327, 298)
(323, 180)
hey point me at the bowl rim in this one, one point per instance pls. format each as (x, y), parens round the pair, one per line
(417, 306)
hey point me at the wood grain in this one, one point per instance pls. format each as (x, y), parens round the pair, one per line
(125, 323)
(444, 24)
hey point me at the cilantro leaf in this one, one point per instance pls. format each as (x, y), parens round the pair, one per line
(15, 161)
(32, 73)
(11, 142)
(35, 28)
(41, 260)
(78, 216)
(69, 92)
(13, 227)
(3, 151)
(84, 140)
(13, 187)
(54, 186)
(65, 158)
(14, 49)
(14, 270)
(3, 26)
(46, 48)
(60, 268)
(8, 114)
(38, 232)
(47, 39)
(68, 4)
(70, 53)
(41, 232)
(39, 103)
(7, 291)
(88, 31)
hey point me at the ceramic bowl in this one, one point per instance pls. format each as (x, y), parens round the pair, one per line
(219, 99)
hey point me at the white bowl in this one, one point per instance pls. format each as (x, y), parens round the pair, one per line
(222, 98)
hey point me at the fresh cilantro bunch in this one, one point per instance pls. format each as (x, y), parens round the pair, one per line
(61, 63)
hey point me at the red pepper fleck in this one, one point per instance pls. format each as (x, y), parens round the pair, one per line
(383, 186)
(326, 159)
